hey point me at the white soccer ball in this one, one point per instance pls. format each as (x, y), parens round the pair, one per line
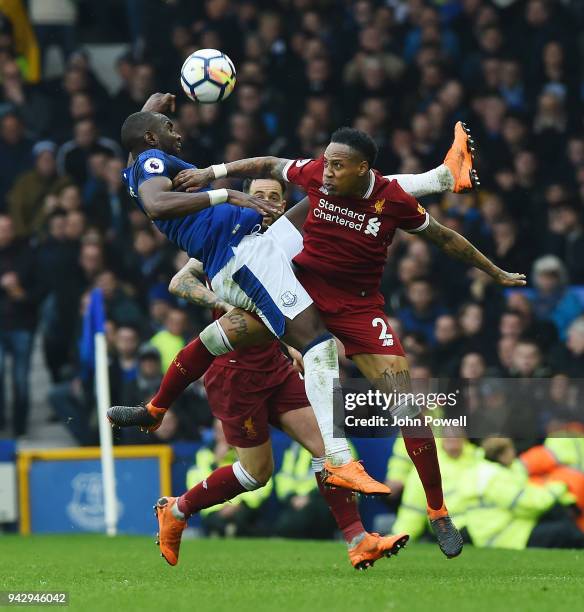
(207, 76)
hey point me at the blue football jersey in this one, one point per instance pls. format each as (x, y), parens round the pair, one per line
(207, 235)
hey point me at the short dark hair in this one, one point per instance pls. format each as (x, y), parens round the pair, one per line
(247, 183)
(135, 126)
(357, 140)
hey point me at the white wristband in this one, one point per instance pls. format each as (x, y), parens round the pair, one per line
(219, 170)
(217, 196)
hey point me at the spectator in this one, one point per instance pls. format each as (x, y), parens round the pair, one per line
(143, 386)
(21, 289)
(120, 306)
(527, 360)
(447, 351)
(568, 357)
(15, 153)
(566, 239)
(25, 99)
(528, 512)
(126, 342)
(73, 156)
(27, 197)
(553, 300)
(110, 205)
(423, 309)
(170, 339)
(58, 257)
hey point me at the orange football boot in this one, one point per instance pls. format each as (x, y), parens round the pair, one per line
(460, 158)
(146, 416)
(169, 529)
(353, 476)
(448, 536)
(373, 547)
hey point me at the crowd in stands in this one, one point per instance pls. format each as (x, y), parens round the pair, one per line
(402, 70)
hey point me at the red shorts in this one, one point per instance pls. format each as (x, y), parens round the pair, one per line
(247, 401)
(364, 331)
(357, 321)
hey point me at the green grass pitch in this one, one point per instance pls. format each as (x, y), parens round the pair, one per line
(126, 573)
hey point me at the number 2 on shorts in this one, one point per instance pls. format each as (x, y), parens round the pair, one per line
(384, 336)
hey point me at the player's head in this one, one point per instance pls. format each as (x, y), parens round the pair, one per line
(347, 161)
(272, 190)
(146, 130)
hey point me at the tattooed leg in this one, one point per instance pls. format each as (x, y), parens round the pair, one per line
(243, 329)
(390, 373)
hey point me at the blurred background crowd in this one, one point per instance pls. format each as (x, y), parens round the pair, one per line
(402, 70)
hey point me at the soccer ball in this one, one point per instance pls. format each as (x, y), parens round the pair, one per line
(207, 76)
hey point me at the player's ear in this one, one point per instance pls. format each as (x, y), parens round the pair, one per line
(151, 139)
(363, 168)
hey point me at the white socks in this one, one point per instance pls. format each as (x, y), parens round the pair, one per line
(317, 464)
(321, 367)
(438, 180)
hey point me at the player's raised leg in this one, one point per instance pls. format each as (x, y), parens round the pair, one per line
(235, 329)
(390, 373)
(252, 471)
(456, 174)
(307, 333)
(363, 548)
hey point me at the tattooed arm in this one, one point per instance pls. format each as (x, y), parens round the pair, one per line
(254, 167)
(187, 283)
(458, 247)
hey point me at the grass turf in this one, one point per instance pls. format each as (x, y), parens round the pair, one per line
(126, 573)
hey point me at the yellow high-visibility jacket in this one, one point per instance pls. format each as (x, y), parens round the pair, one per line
(412, 516)
(502, 507)
(24, 38)
(295, 476)
(567, 450)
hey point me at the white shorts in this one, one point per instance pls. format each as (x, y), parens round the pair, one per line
(287, 237)
(259, 278)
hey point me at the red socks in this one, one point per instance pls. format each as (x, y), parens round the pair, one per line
(188, 365)
(422, 451)
(343, 506)
(218, 487)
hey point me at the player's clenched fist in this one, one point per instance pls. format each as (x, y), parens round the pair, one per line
(192, 180)
(160, 103)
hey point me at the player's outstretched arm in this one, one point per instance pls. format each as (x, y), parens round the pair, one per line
(160, 202)
(458, 247)
(188, 284)
(253, 167)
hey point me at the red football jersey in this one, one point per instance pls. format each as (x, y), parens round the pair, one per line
(346, 239)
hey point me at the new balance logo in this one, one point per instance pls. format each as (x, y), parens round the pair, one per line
(373, 226)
